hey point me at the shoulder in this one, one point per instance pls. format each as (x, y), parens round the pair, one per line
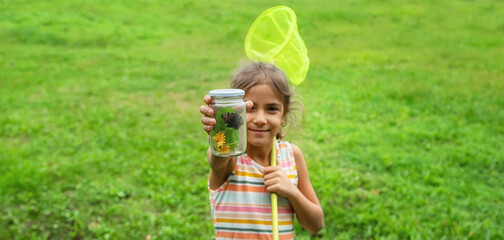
(291, 146)
(301, 167)
(288, 144)
(298, 156)
(297, 151)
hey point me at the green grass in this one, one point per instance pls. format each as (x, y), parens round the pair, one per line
(100, 134)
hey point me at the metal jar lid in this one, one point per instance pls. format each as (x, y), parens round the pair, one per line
(231, 92)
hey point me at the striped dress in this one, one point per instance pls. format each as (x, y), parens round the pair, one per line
(241, 207)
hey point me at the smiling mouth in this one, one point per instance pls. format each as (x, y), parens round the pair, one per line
(259, 131)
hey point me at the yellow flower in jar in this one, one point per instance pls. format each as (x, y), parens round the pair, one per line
(223, 148)
(220, 139)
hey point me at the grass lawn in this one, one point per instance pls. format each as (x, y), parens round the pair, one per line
(100, 133)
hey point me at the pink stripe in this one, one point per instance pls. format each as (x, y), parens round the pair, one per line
(250, 209)
(245, 161)
(286, 164)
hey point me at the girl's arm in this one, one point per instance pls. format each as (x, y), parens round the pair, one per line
(305, 202)
(303, 198)
(220, 169)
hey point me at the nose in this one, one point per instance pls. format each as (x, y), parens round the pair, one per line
(260, 118)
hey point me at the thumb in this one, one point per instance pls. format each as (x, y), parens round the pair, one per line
(249, 104)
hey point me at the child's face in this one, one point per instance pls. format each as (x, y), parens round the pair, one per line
(265, 118)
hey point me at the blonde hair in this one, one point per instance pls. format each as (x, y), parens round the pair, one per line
(256, 73)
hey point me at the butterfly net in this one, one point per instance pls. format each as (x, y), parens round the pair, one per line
(274, 37)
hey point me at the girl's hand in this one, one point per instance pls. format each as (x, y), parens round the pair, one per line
(276, 180)
(208, 119)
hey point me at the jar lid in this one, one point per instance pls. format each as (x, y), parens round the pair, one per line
(232, 92)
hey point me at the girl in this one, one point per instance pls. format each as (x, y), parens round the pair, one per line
(240, 186)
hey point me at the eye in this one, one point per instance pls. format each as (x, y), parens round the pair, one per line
(273, 109)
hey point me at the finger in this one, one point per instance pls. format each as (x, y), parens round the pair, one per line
(207, 128)
(270, 169)
(267, 183)
(272, 188)
(207, 99)
(268, 177)
(208, 120)
(273, 175)
(203, 109)
(249, 104)
(206, 110)
(271, 182)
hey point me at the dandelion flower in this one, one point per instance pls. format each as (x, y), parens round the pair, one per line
(220, 139)
(223, 149)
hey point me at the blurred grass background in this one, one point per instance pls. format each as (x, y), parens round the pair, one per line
(100, 134)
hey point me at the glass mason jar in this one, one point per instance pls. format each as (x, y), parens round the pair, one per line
(229, 135)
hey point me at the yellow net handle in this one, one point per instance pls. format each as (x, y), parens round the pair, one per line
(274, 200)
